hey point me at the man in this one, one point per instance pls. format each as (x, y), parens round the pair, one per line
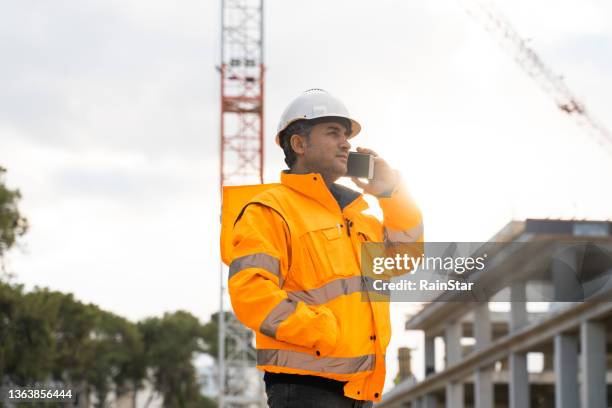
(295, 274)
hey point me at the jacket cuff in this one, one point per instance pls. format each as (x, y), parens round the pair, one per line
(400, 211)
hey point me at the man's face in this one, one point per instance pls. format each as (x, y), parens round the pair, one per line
(326, 150)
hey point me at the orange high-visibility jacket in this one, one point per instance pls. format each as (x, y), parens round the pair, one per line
(295, 280)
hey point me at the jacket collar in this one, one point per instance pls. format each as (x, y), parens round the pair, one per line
(312, 185)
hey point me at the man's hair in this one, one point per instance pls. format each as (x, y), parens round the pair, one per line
(303, 127)
(300, 127)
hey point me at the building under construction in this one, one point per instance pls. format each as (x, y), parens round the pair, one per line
(485, 353)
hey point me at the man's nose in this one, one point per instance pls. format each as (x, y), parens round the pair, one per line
(345, 145)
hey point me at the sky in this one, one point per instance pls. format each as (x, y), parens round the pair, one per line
(109, 127)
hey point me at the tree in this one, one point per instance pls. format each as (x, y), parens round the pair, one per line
(27, 338)
(116, 349)
(10, 298)
(170, 345)
(50, 335)
(12, 224)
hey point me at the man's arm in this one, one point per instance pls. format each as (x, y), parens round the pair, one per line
(261, 253)
(402, 219)
(403, 222)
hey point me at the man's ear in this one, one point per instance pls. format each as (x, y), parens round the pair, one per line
(298, 144)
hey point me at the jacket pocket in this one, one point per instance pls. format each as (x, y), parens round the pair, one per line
(326, 255)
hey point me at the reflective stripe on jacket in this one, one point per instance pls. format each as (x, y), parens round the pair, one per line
(295, 280)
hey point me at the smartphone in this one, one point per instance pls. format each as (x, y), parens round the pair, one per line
(360, 165)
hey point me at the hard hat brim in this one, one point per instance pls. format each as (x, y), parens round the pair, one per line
(355, 126)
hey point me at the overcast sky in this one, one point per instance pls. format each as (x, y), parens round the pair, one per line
(109, 127)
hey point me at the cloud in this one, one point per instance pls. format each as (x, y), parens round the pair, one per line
(90, 74)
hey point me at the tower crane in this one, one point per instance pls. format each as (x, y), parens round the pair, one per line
(496, 24)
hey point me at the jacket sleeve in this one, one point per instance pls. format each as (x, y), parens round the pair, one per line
(402, 224)
(260, 261)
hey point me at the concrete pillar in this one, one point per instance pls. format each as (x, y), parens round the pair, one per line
(430, 355)
(454, 395)
(565, 277)
(518, 306)
(482, 325)
(429, 401)
(452, 342)
(483, 388)
(566, 371)
(593, 359)
(483, 379)
(519, 381)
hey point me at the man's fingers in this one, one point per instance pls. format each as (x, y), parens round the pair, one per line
(364, 150)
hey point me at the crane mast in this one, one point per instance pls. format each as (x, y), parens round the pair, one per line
(241, 162)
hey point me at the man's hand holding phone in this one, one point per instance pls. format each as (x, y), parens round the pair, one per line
(385, 178)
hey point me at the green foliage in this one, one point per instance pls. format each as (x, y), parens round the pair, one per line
(32, 357)
(170, 346)
(205, 402)
(48, 335)
(112, 353)
(12, 224)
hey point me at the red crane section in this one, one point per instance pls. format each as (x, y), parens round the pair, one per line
(242, 92)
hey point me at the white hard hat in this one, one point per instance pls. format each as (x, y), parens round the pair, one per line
(313, 104)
